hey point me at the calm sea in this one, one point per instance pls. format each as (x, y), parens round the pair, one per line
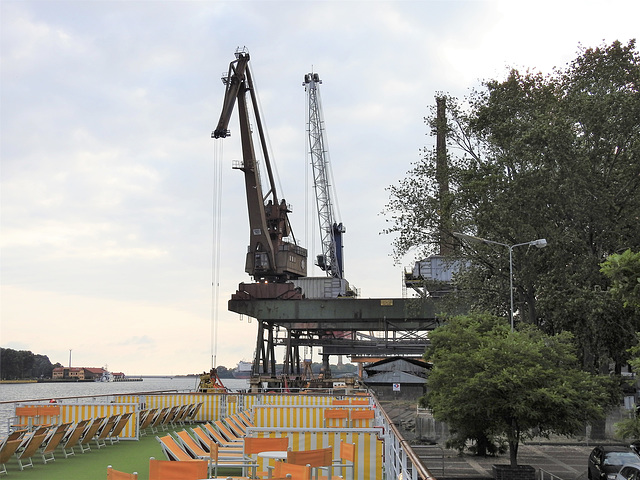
(21, 392)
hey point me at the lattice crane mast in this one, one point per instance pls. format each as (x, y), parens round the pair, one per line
(270, 256)
(330, 231)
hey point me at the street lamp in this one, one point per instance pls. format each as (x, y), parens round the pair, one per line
(540, 243)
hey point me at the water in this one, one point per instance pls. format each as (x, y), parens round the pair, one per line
(21, 392)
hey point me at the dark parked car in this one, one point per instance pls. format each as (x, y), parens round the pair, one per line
(606, 461)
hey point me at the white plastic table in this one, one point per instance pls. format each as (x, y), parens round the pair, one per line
(274, 454)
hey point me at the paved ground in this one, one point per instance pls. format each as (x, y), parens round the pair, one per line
(568, 462)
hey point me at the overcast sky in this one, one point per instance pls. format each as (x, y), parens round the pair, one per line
(108, 163)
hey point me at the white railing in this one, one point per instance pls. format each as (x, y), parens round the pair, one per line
(544, 475)
(400, 461)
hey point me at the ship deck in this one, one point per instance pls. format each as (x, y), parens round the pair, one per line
(127, 456)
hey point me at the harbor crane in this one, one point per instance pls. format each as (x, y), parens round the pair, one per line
(330, 260)
(272, 258)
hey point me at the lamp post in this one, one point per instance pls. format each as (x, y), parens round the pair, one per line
(540, 243)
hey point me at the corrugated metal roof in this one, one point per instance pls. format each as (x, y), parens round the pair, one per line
(398, 364)
(395, 377)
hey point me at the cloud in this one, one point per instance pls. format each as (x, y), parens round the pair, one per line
(109, 180)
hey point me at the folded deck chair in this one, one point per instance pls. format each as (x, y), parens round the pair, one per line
(118, 475)
(187, 470)
(73, 437)
(172, 450)
(199, 448)
(142, 416)
(188, 444)
(168, 420)
(156, 424)
(224, 430)
(105, 430)
(202, 437)
(191, 416)
(52, 441)
(30, 445)
(147, 420)
(181, 415)
(8, 447)
(89, 433)
(236, 426)
(119, 426)
(246, 416)
(219, 438)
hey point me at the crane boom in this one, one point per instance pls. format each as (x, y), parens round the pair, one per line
(330, 232)
(270, 256)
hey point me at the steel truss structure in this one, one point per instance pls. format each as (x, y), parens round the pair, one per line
(340, 326)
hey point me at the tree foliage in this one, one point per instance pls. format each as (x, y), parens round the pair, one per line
(533, 156)
(623, 269)
(489, 383)
(23, 364)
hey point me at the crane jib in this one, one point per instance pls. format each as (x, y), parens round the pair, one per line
(271, 255)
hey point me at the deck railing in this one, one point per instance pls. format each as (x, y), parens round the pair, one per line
(400, 462)
(544, 475)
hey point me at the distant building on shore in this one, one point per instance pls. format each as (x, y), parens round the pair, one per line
(79, 373)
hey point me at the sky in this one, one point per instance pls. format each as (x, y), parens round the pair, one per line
(111, 206)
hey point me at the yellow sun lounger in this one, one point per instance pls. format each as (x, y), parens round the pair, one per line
(8, 447)
(52, 441)
(30, 446)
(119, 426)
(73, 437)
(89, 433)
(105, 430)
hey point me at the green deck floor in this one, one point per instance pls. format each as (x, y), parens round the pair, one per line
(127, 456)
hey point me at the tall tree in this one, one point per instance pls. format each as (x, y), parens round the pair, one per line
(623, 269)
(553, 156)
(519, 381)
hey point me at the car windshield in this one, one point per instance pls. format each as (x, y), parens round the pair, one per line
(619, 458)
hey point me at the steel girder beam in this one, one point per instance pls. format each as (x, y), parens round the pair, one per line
(342, 313)
(322, 322)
